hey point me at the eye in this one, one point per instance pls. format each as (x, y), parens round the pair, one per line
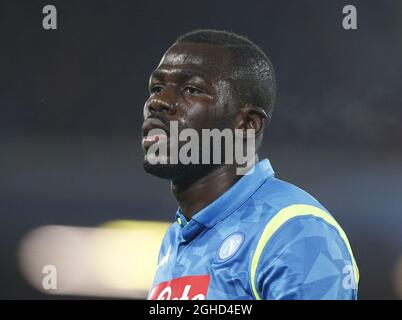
(192, 90)
(157, 88)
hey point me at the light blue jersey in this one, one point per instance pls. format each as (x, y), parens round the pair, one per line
(262, 239)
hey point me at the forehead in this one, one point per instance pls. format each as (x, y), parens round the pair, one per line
(208, 60)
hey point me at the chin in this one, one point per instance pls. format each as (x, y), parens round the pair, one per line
(177, 171)
(164, 171)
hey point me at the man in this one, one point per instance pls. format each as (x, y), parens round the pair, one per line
(235, 236)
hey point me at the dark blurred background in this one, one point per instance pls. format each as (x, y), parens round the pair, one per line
(71, 105)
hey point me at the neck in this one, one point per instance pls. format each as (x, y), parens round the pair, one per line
(197, 193)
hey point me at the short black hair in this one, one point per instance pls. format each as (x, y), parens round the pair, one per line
(252, 70)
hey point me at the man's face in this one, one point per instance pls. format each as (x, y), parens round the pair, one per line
(190, 87)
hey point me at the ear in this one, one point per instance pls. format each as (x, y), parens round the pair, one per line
(251, 117)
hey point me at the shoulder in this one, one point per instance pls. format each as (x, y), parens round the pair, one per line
(280, 194)
(170, 238)
(304, 257)
(278, 197)
(296, 232)
(172, 232)
(294, 213)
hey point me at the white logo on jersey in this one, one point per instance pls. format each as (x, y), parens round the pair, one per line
(230, 246)
(164, 260)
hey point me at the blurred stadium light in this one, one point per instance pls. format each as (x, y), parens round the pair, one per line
(117, 259)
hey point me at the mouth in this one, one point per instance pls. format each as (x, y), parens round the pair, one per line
(148, 141)
(153, 131)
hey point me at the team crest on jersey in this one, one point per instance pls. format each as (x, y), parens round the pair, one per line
(184, 288)
(230, 246)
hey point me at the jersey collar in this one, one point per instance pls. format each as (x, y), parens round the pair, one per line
(227, 203)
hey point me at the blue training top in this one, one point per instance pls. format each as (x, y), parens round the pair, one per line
(262, 239)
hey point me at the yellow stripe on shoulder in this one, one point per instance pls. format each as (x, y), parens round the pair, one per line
(278, 220)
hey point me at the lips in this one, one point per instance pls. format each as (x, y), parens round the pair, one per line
(159, 131)
(148, 141)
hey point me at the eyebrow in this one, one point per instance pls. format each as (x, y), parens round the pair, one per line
(179, 73)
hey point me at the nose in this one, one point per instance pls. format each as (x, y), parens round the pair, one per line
(162, 103)
(158, 106)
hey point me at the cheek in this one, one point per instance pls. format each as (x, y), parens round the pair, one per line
(198, 116)
(225, 102)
